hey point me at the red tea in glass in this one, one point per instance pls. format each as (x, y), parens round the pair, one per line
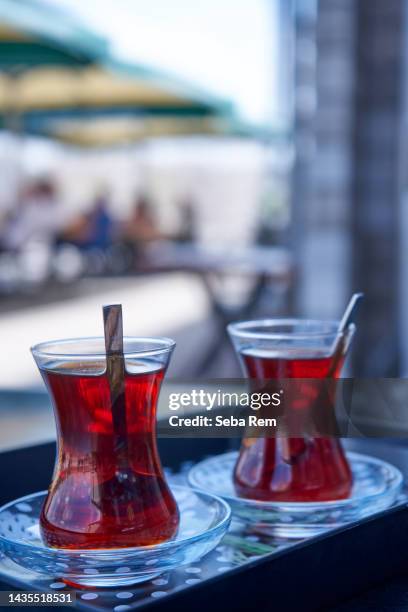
(284, 468)
(106, 494)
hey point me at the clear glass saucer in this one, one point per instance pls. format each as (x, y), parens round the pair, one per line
(376, 486)
(204, 519)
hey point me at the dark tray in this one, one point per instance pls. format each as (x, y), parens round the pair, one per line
(314, 574)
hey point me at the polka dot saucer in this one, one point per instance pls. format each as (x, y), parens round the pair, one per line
(376, 486)
(204, 519)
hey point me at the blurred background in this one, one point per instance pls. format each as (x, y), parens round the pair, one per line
(199, 163)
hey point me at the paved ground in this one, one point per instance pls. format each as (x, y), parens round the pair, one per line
(151, 306)
(173, 305)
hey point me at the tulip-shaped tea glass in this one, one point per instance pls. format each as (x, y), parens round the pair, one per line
(304, 468)
(108, 489)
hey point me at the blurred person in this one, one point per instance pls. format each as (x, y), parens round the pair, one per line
(36, 219)
(30, 231)
(99, 225)
(92, 233)
(74, 233)
(141, 227)
(188, 225)
(139, 231)
(6, 217)
(93, 229)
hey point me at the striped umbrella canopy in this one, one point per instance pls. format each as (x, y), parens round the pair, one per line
(117, 130)
(34, 34)
(53, 68)
(108, 88)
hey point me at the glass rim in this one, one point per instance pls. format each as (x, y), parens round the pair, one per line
(242, 329)
(166, 345)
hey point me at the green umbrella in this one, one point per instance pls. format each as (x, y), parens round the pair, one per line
(58, 79)
(41, 49)
(106, 88)
(110, 131)
(34, 34)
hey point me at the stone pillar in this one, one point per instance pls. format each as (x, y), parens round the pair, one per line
(403, 217)
(381, 30)
(304, 98)
(323, 168)
(347, 175)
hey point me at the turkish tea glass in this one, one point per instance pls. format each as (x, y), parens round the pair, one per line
(301, 468)
(108, 488)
